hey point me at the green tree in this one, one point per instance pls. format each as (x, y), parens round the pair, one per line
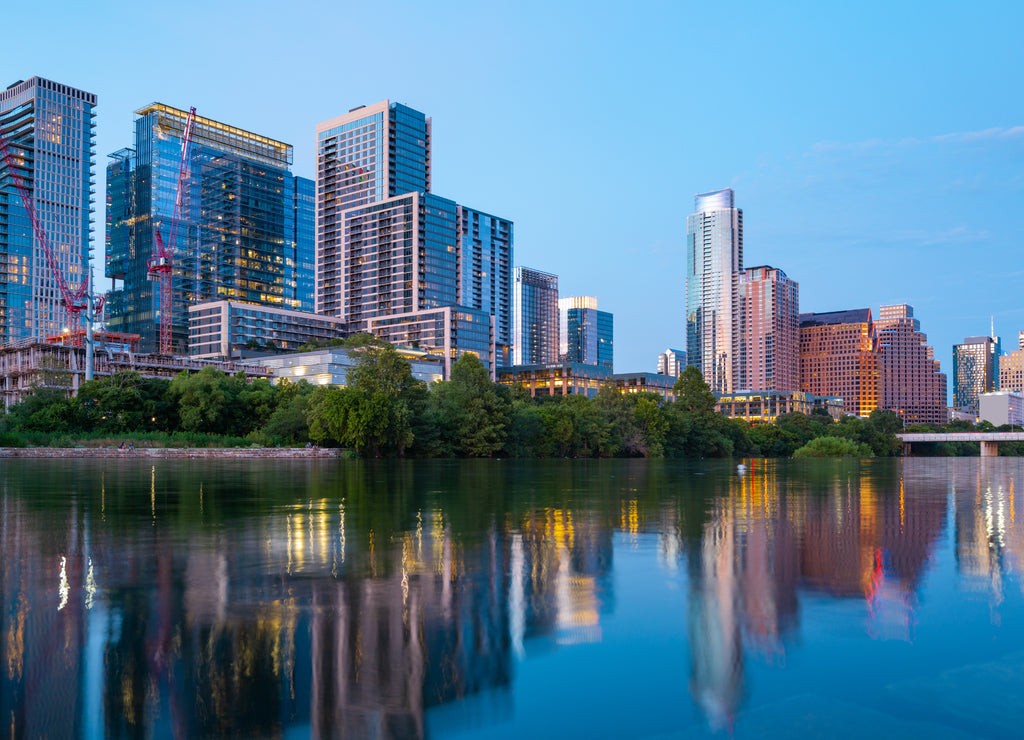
(207, 401)
(693, 395)
(469, 411)
(833, 447)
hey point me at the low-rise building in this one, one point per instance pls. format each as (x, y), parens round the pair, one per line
(646, 383)
(766, 406)
(556, 379)
(224, 329)
(1001, 407)
(331, 365)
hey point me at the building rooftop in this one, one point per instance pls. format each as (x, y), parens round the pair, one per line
(852, 316)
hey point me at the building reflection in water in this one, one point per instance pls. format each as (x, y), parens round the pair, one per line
(225, 607)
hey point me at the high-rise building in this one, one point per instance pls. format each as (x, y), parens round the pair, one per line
(671, 362)
(975, 371)
(390, 254)
(535, 317)
(714, 259)
(912, 384)
(49, 130)
(586, 335)
(372, 153)
(484, 249)
(770, 306)
(243, 231)
(1011, 368)
(839, 356)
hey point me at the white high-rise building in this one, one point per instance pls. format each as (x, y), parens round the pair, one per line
(714, 314)
(48, 128)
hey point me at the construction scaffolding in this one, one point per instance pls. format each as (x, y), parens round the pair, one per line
(32, 364)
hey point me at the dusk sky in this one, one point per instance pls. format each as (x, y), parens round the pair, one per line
(876, 149)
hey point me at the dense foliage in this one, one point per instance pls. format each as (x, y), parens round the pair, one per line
(384, 411)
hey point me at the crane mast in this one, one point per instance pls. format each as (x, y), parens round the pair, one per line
(160, 264)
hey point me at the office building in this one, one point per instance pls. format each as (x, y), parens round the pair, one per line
(535, 317)
(764, 407)
(585, 334)
(770, 306)
(671, 362)
(391, 254)
(49, 132)
(243, 232)
(839, 356)
(331, 365)
(714, 259)
(557, 378)
(230, 329)
(912, 384)
(1011, 368)
(658, 383)
(975, 371)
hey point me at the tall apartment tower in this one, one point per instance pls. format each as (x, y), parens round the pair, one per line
(49, 129)
(770, 306)
(372, 153)
(243, 231)
(395, 259)
(586, 335)
(912, 384)
(714, 259)
(535, 317)
(975, 371)
(671, 362)
(839, 356)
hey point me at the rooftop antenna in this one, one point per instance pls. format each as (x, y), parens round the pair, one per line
(992, 328)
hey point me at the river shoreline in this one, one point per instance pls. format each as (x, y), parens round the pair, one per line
(229, 453)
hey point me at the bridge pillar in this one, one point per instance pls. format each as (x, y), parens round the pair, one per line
(990, 449)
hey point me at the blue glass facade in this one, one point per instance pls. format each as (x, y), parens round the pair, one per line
(305, 242)
(49, 130)
(588, 333)
(975, 371)
(238, 234)
(485, 270)
(535, 317)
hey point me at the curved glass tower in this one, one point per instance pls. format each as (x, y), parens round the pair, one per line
(714, 259)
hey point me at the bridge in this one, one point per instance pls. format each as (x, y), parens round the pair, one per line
(989, 440)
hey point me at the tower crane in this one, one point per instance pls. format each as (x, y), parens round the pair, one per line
(160, 264)
(75, 300)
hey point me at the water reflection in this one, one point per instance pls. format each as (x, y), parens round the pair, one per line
(190, 600)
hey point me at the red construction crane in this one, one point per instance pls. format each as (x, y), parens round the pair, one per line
(75, 301)
(160, 264)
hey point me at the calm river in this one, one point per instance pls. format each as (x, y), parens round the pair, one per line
(503, 599)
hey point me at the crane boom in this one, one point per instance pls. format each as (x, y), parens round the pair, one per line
(160, 264)
(73, 299)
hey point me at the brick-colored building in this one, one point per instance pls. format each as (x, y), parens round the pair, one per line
(912, 385)
(771, 310)
(839, 356)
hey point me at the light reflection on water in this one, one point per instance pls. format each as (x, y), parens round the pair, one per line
(497, 599)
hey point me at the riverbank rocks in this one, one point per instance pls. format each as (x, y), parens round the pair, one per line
(227, 453)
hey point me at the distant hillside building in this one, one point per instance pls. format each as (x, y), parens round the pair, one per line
(912, 384)
(839, 356)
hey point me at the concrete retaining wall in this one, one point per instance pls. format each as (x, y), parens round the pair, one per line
(164, 452)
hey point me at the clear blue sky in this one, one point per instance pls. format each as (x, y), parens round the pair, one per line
(876, 149)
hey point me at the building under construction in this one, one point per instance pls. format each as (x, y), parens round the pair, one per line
(31, 364)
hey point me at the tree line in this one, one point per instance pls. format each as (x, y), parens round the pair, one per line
(384, 411)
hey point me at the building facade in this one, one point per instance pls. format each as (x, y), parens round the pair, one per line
(391, 254)
(975, 371)
(912, 384)
(585, 334)
(1011, 368)
(227, 329)
(766, 406)
(243, 232)
(534, 317)
(1001, 407)
(671, 362)
(714, 259)
(839, 356)
(770, 306)
(49, 129)
(331, 365)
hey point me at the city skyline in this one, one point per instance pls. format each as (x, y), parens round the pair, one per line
(876, 166)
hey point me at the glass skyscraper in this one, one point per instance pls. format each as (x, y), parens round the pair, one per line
(535, 317)
(714, 259)
(49, 128)
(975, 371)
(244, 231)
(485, 271)
(586, 335)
